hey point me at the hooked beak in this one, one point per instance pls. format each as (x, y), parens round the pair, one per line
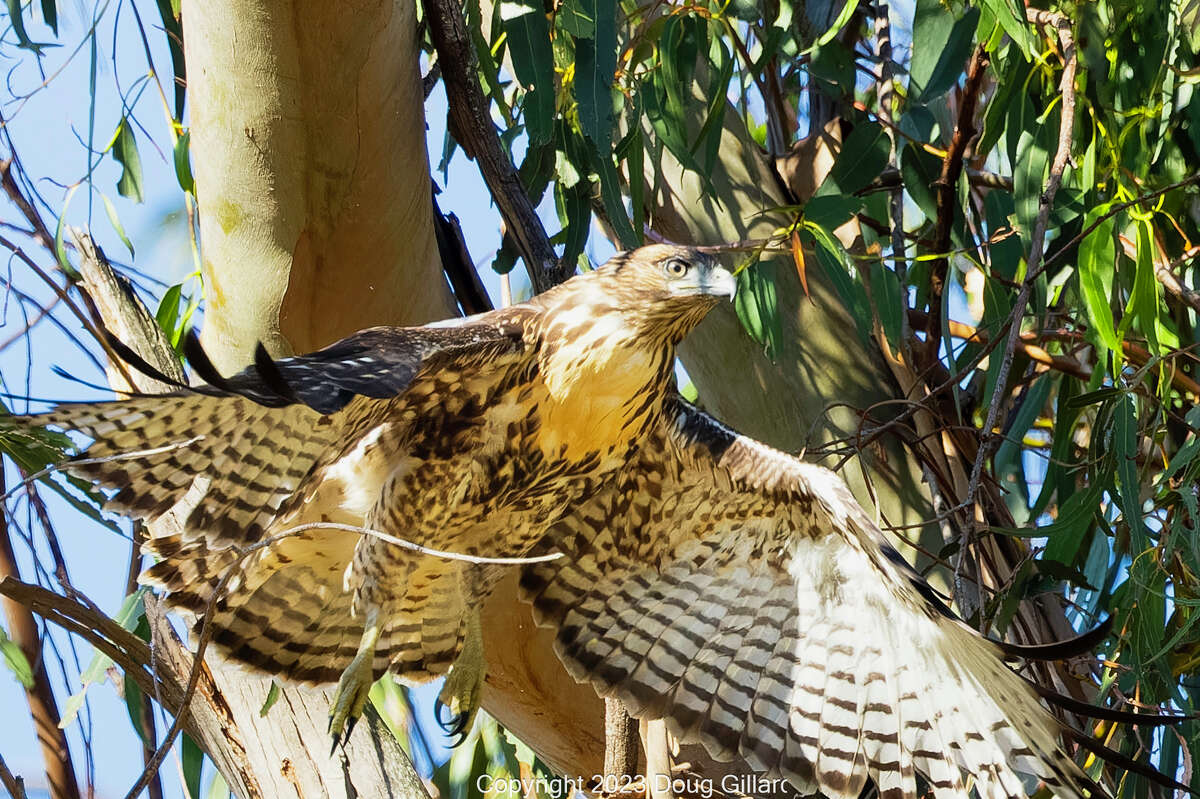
(719, 282)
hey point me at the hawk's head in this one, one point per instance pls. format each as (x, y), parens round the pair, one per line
(662, 289)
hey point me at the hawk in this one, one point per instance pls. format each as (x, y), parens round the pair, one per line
(735, 591)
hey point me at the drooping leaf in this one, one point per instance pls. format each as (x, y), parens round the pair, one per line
(15, 660)
(169, 12)
(131, 612)
(595, 65)
(528, 33)
(192, 763)
(863, 156)
(114, 219)
(125, 152)
(946, 41)
(1125, 449)
(757, 306)
(181, 157)
(50, 14)
(832, 258)
(1097, 257)
(1010, 14)
(889, 303)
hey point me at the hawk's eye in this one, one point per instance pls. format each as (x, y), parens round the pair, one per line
(676, 268)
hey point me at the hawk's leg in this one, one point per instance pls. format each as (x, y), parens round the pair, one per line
(461, 692)
(351, 695)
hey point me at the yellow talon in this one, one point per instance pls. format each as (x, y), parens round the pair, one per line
(355, 685)
(464, 684)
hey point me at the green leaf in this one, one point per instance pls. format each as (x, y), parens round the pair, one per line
(181, 155)
(1143, 299)
(131, 612)
(843, 17)
(595, 66)
(167, 314)
(269, 702)
(996, 115)
(15, 660)
(217, 789)
(111, 211)
(667, 127)
(711, 131)
(1125, 447)
(831, 211)
(1009, 452)
(614, 205)
(1011, 16)
(1065, 536)
(528, 33)
(757, 306)
(125, 151)
(1097, 257)
(18, 26)
(864, 155)
(832, 66)
(832, 258)
(192, 761)
(890, 306)
(575, 211)
(135, 705)
(919, 170)
(945, 44)
(1029, 176)
(169, 12)
(578, 18)
(50, 14)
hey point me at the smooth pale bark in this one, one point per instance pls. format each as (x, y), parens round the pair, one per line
(309, 158)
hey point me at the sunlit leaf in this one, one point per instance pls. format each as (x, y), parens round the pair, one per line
(15, 660)
(528, 33)
(125, 152)
(115, 220)
(1097, 257)
(595, 63)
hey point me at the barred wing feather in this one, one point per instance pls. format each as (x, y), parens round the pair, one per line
(745, 597)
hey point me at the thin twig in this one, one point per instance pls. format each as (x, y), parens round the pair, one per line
(947, 196)
(1034, 261)
(470, 124)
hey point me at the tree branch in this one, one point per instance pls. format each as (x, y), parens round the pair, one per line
(470, 122)
(1034, 262)
(56, 754)
(947, 198)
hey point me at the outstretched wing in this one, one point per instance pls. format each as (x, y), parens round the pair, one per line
(275, 448)
(747, 598)
(246, 443)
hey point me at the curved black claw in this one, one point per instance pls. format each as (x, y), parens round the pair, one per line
(456, 725)
(340, 737)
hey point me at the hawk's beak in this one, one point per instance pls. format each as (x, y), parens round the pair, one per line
(719, 282)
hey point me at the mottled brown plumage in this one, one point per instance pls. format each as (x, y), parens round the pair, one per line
(733, 590)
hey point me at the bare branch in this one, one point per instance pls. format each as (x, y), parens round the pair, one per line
(1034, 262)
(471, 125)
